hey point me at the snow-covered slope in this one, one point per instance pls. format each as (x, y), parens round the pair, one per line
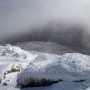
(18, 67)
(13, 59)
(13, 51)
(68, 67)
(45, 47)
(52, 48)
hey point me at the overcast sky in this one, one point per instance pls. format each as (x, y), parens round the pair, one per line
(17, 16)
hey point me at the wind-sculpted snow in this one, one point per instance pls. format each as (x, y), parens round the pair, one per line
(68, 67)
(22, 68)
(13, 59)
(13, 51)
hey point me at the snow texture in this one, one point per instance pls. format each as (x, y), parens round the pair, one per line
(13, 51)
(13, 58)
(68, 67)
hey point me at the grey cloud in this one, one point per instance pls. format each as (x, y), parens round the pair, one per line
(19, 17)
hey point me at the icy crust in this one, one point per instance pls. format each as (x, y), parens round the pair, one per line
(68, 67)
(13, 51)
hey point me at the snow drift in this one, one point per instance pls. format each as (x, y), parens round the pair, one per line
(13, 59)
(13, 51)
(26, 69)
(68, 67)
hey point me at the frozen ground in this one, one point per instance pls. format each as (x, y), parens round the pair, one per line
(18, 66)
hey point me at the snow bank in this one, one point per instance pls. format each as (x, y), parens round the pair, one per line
(13, 59)
(45, 68)
(68, 67)
(13, 51)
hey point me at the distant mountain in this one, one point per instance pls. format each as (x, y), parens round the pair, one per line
(50, 47)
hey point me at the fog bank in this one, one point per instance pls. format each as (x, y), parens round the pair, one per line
(60, 21)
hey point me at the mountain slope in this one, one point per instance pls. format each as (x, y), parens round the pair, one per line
(69, 71)
(53, 48)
